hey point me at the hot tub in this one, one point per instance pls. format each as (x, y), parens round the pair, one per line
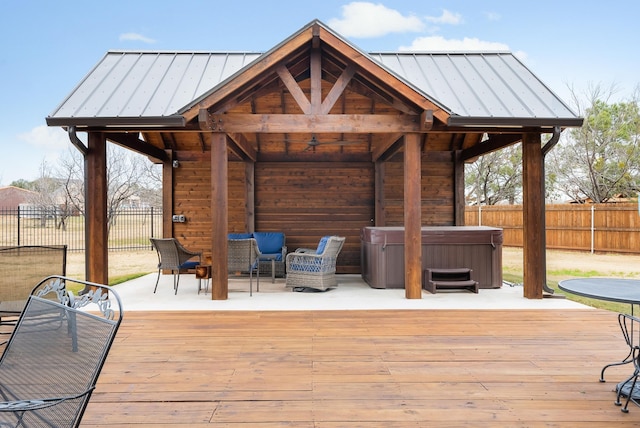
(475, 247)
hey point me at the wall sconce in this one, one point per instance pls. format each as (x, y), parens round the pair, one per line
(176, 163)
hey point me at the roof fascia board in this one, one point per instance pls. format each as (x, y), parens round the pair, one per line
(244, 76)
(118, 122)
(374, 68)
(510, 122)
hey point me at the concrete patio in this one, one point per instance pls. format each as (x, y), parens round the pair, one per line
(352, 294)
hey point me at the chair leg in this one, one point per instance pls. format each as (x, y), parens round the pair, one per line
(625, 409)
(176, 282)
(273, 271)
(157, 280)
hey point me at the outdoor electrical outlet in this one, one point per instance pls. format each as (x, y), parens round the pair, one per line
(179, 218)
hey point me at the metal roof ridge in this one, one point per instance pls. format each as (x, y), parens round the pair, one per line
(424, 52)
(179, 51)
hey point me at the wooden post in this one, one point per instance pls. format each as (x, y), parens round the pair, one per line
(533, 210)
(167, 196)
(95, 191)
(412, 217)
(380, 219)
(219, 216)
(250, 195)
(459, 202)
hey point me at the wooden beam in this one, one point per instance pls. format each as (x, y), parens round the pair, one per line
(379, 209)
(244, 145)
(426, 120)
(96, 187)
(250, 195)
(337, 90)
(131, 141)
(264, 65)
(412, 217)
(384, 150)
(294, 89)
(167, 195)
(379, 76)
(533, 210)
(219, 216)
(283, 123)
(493, 143)
(458, 189)
(315, 69)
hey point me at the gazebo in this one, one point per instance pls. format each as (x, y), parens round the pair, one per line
(314, 136)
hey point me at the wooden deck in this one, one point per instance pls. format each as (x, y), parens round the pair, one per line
(327, 369)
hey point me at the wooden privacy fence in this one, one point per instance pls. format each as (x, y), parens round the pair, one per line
(611, 228)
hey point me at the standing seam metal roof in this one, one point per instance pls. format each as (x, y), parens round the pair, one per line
(156, 85)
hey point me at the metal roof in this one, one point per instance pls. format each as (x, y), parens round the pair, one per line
(145, 88)
(150, 87)
(479, 87)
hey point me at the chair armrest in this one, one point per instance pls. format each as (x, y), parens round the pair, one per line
(305, 250)
(305, 258)
(38, 403)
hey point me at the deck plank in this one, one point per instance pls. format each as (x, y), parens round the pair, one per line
(328, 369)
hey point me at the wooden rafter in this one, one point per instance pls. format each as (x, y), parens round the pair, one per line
(131, 141)
(495, 142)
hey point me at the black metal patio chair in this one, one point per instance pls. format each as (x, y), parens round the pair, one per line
(52, 361)
(629, 388)
(20, 268)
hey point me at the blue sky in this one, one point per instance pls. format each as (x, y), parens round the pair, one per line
(49, 46)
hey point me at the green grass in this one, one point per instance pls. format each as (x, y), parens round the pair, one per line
(624, 308)
(75, 288)
(124, 278)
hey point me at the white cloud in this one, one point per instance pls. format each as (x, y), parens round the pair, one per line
(135, 37)
(493, 16)
(439, 43)
(365, 19)
(447, 17)
(46, 137)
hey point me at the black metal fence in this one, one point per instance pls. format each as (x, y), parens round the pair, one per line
(130, 229)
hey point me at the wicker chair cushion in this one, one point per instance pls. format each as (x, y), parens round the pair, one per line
(240, 235)
(270, 243)
(189, 265)
(322, 244)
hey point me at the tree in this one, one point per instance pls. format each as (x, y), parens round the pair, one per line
(495, 177)
(128, 175)
(49, 199)
(600, 160)
(22, 184)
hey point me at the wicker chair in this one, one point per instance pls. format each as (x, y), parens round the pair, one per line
(314, 268)
(174, 257)
(243, 257)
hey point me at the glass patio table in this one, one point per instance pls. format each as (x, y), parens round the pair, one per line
(619, 290)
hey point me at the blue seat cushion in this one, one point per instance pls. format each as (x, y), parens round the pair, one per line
(322, 244)
(189, 264)
(269, 242)
(239, 236)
